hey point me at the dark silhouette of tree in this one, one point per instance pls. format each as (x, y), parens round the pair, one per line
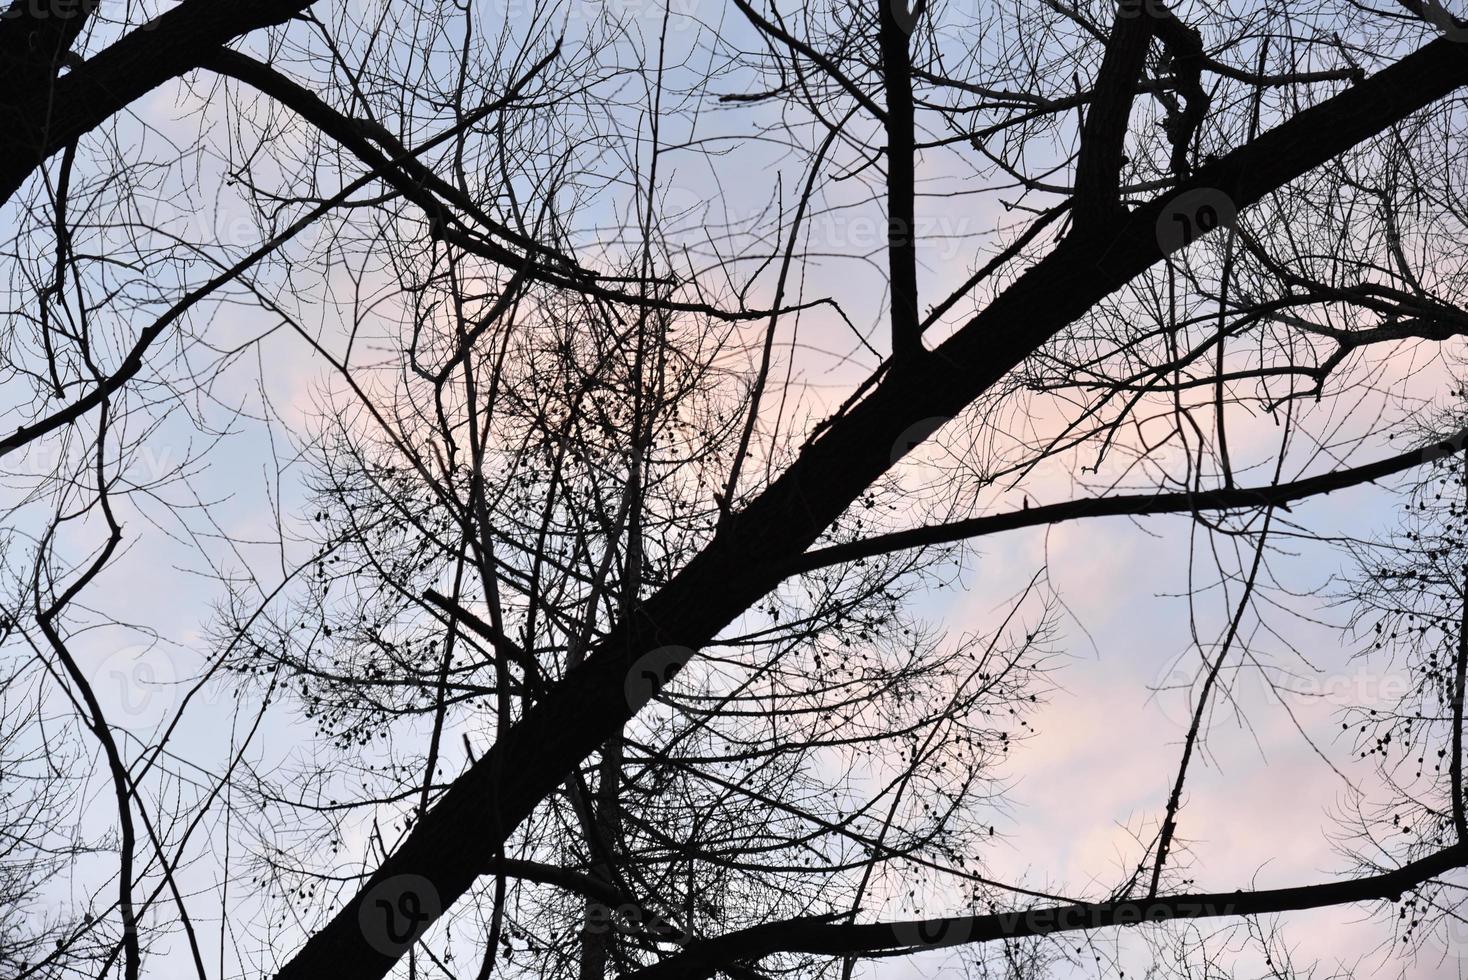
(635, 458)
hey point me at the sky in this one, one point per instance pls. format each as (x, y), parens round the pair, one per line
(1260, 804)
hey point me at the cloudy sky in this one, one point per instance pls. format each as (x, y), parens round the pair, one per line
(1262, 803)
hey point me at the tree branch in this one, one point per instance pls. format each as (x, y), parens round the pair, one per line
(703, 959)
(453, 843)
(1098, 164)
(44, 117)
(893, 41)
(1130, 505)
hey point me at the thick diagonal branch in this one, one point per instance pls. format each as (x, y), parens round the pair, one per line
(46, 114)
(35, 38)
(453, 844)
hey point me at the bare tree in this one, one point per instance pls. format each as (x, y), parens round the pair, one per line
(666, 362)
